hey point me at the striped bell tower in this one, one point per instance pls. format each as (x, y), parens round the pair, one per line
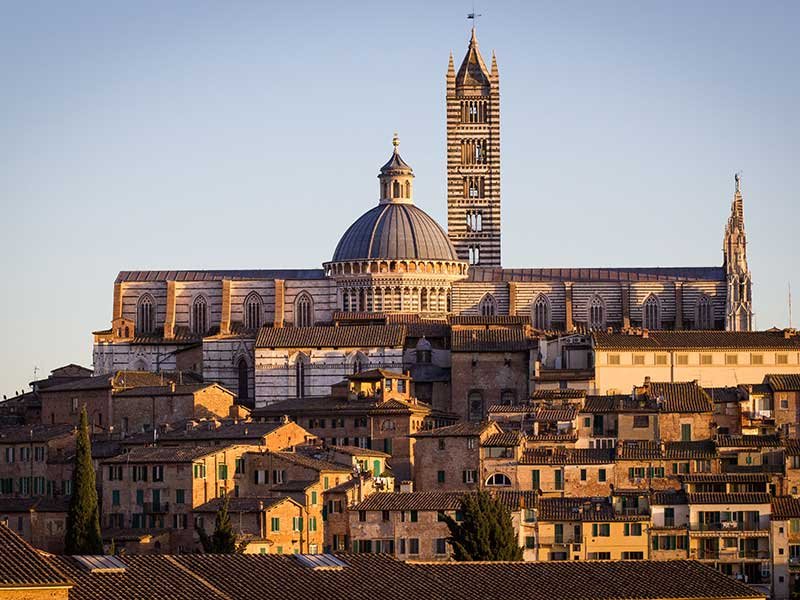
(473, 158)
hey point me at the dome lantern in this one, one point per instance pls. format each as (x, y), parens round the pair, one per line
(395, 178)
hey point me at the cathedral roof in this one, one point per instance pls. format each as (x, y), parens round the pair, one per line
(473, 71)
(602, 274)
(395, 231)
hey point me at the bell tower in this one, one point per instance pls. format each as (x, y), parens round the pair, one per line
(473, 158)
(739, 301)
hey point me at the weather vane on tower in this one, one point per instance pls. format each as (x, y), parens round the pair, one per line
(474, 16)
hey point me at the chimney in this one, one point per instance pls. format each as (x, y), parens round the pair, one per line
(406, 487)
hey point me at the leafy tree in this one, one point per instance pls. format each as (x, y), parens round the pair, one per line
(222, 540)
(83, 519)
(486, 532)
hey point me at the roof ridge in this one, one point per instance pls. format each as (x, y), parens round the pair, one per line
(200, 579)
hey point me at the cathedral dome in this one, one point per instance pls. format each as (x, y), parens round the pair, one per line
(395, 229)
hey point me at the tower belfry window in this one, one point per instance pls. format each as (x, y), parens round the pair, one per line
(145, 314)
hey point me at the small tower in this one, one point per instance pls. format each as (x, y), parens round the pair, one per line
(395, 179)
(739, 301)
(473, 158)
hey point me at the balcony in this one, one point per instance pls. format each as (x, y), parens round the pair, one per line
(155, 508)
(728, 527)
(729, 554)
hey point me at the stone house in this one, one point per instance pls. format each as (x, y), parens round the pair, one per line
(785, 546)
(39, 521)
(32, 460)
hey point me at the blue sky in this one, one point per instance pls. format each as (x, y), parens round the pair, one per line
(248, 134)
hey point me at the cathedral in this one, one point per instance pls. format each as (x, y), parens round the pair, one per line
(274, 333)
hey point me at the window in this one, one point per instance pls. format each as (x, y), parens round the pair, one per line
(559, 479)
(275, 524)
(508, 397)
(499, 480)
(414, 516)
(297, 523)
(180, 496)
(661, 360)
(731, 359)
(474, 254)
(239, 468)
(244, 379)
(641, 421)
(304, 310)
(115, 497)
(222, 471)
(704, 313)
(470, 476)
(200, 316)
(651, 317)
(158, 473)
(633, 555)
(638, 359)
(413, 546)
(541, 312)
(487, 306)
(474, 220)
(784, 405)
(278, 476)
(613, 359)
(300, 375)
(312, 523)
(583, 474)
(669, 516)
(475, 404)
(682, 360)
(253, 309)
(756, 359)
(633, 529)
(139, 497)
(440, 477)
(706, 359)
(530, 542)
(38, 453)
(601, 530)
(597, 313)
(139, 473)
(781, 359)
(199, 471)
(686, 432)
(115, 473)
(440, 546)
(599, 555)
(145, 314)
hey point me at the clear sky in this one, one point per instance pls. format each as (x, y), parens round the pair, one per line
(248, 134)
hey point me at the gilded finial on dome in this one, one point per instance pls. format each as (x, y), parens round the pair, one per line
(395, 141)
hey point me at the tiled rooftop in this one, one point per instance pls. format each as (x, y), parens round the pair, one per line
(668, 340)
(350, 336)
(490, 340)
(22, 566)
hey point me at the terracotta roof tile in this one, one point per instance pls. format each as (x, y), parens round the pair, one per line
(705, 449)
(785, 507)
(726, 478)
(351, 336)
(783, 383)
(461, 429)
(490, 340)
(506, 439)
(728, 498)
(497, 274)
(17, 434)
(667, 340)
(748, 441)
(567, 456)
(582, 509)
(179, 454)
(218, 275)
(22, 566)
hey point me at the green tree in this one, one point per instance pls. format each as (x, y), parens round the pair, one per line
(83, 519)
(486, 531)
(222, 540)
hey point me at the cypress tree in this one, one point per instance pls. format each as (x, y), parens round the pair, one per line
(486, 532)
(83, 519)
(222, 540)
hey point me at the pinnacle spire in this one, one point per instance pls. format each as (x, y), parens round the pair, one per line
(473, 71)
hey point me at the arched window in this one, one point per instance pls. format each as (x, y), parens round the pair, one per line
(651, 317)
(253, 309)
(244, 380)
(304, 310)
(597, 313)
(498, 480)
(395, 189)
(488, 306)
(449, 302)
(423, 299)
(360, 363)
(705, 317)
(508, 397)
(475, 405)
(300, 366)
(145, 314)
(541, 312)
(408, 189)
(200, 316)
(140, 365)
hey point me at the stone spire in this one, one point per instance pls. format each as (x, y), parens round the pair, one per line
(739, 308)
(473, 71)
(395, 178)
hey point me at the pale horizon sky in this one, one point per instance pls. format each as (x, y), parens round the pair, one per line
(191, 135)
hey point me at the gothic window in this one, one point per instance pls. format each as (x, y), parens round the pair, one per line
(449, 302)
(475, 405)
(423, 299)
(474, 220)
(541, 312)
(200, 316)
(145, 314)
(474, 255)
(488, 306)
(597, 313)
(395, 189)
(408, 189)
(244, 387)
(253, 307)
(300, 366)
(304, 310)
(651, 317)
(704, 313)
(508, 397)
(360, 363)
